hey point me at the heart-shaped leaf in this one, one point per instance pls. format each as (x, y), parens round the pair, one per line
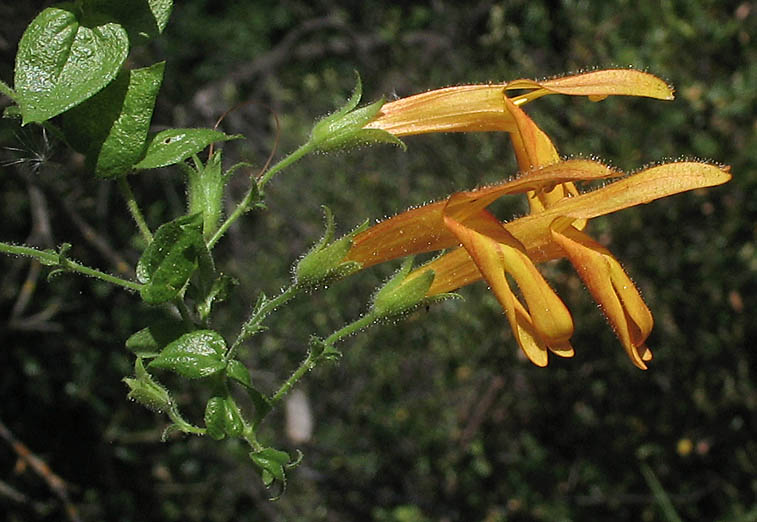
(64, 58)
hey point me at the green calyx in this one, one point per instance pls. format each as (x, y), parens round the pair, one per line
(325, 261)
(344, 128)
(400, 293)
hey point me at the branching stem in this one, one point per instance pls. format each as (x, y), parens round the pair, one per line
(47, 257)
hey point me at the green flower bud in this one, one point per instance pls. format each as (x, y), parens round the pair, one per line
(146, 390)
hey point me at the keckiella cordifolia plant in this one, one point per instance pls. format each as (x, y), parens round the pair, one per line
(72, 78)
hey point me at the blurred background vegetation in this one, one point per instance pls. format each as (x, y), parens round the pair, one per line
(437, 417)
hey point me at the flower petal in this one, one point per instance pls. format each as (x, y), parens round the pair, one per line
(612, 289)
(600, 84)
(421, 229)
(547, 321)
(642, 187)
(533, 149)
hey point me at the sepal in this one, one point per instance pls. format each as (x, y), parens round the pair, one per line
(325, 261)
(402, 293)
(345, 126)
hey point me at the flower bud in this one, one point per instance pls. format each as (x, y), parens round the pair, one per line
(146, 390)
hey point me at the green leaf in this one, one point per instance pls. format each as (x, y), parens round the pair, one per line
(142, 19)
(215, 412)
(169, 261)
(64, 58)
(222, 418)
(193, 355)
(233, 423)
(239, 372)
(111, 127)
(171, 146)
(149, 341)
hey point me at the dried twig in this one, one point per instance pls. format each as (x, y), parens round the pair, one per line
(40, 467)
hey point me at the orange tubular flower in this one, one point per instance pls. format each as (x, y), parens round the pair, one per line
(552, 230)
(549, 234)
(475, 108)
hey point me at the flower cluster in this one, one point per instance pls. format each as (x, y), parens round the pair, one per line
(483, 247)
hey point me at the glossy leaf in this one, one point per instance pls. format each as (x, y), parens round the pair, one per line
(149, 341)
(142, 19)
(239, 372)
(169, 261)
(171, 146)
(193, 355)
(215, 412)
(271, 463)
(233, 423)
(64, 58)
(111, 127)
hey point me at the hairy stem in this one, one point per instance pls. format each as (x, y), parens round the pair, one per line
(47, 257)
(253, 323)
(313, 358)
(131, 203)
(244, 205)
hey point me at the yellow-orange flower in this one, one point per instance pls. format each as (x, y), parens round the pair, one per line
(474, 108)
(491, 249)
(558, 215)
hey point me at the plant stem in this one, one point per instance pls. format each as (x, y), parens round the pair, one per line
(259, 315)
(184, 311)
(249, 436)
(7, 90)
(181, 424)
(131, 203)
(50, 258)
(284, 163)
(351, 328)
(313, 358)
(244, 205)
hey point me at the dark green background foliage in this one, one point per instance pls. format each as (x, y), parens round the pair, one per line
(437, 417)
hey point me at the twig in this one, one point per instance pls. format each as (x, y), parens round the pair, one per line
(53, 481)
(479, 411)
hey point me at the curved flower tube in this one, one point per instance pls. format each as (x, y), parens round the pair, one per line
(480, 108)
